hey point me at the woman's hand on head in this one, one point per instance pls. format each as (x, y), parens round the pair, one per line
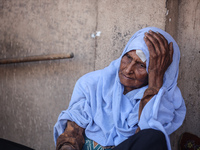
(160, 57)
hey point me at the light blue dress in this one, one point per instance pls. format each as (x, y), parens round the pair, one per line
(110, 117)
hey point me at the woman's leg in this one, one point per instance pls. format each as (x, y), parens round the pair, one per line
(9, 145)
(148, 139)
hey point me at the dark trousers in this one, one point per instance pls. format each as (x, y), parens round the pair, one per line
(8, 145)
(148, 139)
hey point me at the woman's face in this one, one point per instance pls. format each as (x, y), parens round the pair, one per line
(132, 72)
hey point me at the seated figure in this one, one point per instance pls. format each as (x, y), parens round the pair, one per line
(133, 104)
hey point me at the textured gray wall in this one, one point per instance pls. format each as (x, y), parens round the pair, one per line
(118, 20)
(188, 38)
(33, 94)
(183, 22)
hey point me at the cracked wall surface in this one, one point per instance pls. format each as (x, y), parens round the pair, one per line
(119, 20)
(183, 23)
(33, 94)
(188, 38)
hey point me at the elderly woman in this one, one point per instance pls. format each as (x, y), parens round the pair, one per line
(134, 103)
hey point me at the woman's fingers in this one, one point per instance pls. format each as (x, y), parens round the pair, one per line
(159, 43)
(164, 39)
(153, 55)
(149, 44)
(160, 51)
(154, 41)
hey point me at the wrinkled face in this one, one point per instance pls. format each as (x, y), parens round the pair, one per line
(132, 72)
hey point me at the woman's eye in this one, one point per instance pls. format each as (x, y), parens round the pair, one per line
(142, 65)
(128, 56)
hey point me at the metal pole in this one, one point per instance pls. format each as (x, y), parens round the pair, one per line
(36, 58)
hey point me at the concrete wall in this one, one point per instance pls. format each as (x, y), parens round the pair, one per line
(188, 38)
(183, 22)
(33, 94)
(118, 20)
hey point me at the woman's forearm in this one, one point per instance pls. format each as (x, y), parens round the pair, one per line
(148, 94)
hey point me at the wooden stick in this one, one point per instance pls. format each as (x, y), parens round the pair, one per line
(36, 58)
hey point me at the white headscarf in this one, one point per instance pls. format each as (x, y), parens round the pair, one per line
(110, 117)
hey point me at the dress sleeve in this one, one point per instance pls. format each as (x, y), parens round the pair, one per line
(78, 111)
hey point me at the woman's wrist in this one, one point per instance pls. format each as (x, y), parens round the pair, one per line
(148, 94)
(155, 80)
(151, 91)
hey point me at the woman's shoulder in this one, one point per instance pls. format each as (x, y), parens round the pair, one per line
(90, 78)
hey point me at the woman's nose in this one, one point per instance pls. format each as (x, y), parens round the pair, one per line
(130, 68)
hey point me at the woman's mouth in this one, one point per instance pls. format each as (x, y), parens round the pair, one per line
(127, 77)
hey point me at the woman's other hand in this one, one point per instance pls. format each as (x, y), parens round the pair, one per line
(67, 147)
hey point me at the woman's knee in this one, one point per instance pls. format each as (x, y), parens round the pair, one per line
(145, 139)
(151, 139)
